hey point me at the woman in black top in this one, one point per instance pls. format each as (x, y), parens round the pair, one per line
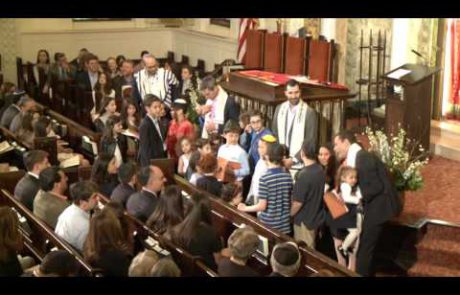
(108, 108)
(169, 212)
(209, 182)
(113, 139)
(105, 246)
(196, 233)
(104, 173)
(10, 243)
(326, 158)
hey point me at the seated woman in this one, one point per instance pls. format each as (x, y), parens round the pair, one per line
(169, 212)
(113, 142)
(128, 237)
(42, 128)
(108, 108)
(105, 247)
(11, 264)
(104, 174)
(26, 132)
(196, 234)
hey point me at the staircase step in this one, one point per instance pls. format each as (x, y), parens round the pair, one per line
(429, 270)
(441, 255)
(442, 232)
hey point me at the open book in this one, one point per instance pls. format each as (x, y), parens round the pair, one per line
(130, 133)
(5, 147)
(222, 167)
(89, 145)
(70, 162)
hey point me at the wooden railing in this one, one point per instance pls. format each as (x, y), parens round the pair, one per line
(42, 237)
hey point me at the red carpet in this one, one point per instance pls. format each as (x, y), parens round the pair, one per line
(439, 198)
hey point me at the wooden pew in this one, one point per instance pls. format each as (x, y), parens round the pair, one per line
(74, 132)
(190, 265)
(42, 236)
(13, 157)
(313, 261)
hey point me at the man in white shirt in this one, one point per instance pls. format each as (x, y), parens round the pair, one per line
(73, 223)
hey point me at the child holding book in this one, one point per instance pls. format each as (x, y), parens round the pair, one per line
(232, 154)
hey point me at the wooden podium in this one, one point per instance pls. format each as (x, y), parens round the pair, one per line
(409, 100)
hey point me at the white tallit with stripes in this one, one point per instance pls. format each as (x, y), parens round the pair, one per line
(298, 126)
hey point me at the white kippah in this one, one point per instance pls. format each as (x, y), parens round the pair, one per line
(180, 101)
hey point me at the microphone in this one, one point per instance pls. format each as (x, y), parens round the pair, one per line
(417, 53)
(425, 60)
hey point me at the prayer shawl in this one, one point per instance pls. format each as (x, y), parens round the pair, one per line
(219, 112)
(298, 126)
(158, 88)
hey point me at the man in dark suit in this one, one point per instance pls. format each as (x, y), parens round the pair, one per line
(380, 198)
(219, 108)
(142, 204)
(127, 79)
(77, 62)
(89, 77)
(128, 178)
(26, 189)
(151, 139)
(12, 110)
(61, 70)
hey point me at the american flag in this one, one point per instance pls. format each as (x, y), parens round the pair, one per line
(245, 25)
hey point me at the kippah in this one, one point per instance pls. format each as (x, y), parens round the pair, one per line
(269, 138)
(286, 255)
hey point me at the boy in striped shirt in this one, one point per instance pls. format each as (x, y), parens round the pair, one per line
(275, 189)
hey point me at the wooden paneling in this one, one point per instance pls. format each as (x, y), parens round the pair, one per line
(273, 53)
(294, 59)
(255, 49)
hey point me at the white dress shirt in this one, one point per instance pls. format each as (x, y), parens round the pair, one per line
(73, 226)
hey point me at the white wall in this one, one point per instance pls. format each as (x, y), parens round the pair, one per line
(197, 39)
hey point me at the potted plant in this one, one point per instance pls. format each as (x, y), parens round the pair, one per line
(403, 157)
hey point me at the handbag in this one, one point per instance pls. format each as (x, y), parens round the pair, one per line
(335, 205)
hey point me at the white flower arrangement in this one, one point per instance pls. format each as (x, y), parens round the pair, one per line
(398, 154)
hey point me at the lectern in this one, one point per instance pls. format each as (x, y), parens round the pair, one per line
(409, 100)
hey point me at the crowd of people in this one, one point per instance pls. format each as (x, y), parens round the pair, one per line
(279, 173)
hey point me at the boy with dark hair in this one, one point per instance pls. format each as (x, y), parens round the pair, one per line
(73, 223)
(151, 134)
(275, 189)
(307, 201)
(128, 178)
(26, 189)
(50, 201)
